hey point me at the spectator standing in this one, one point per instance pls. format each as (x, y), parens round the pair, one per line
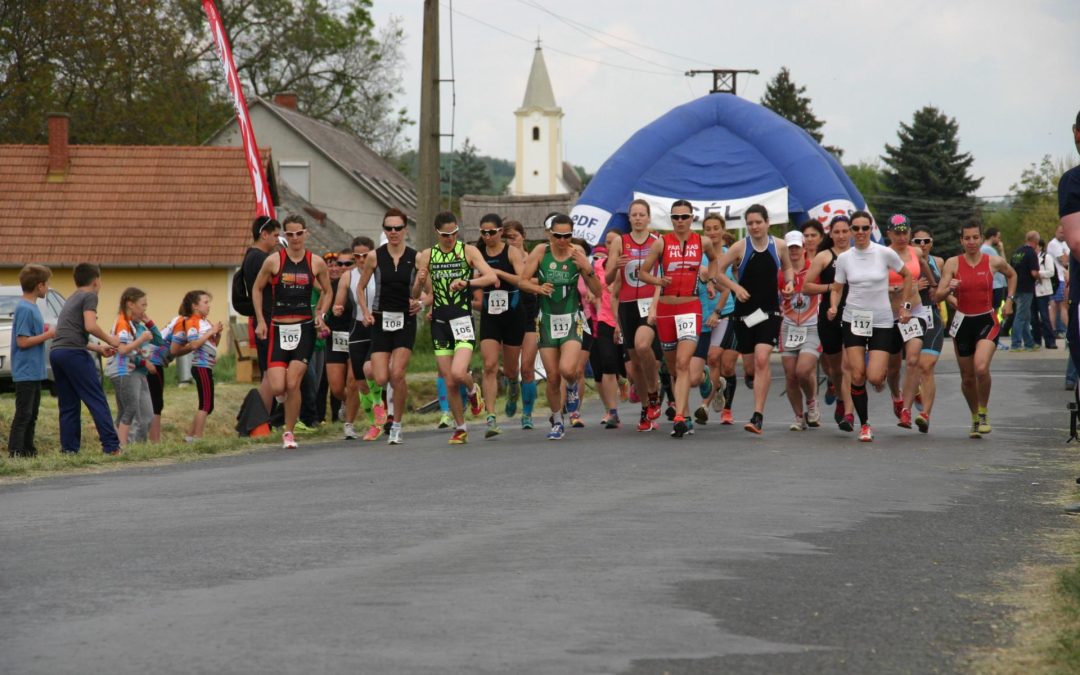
(1025, 261)
(200, 339)
(134, 408)
(264, 232)
(28, 336)
(1042, 327)
(1057, 249)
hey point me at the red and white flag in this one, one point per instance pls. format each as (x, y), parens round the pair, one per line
(263, 205)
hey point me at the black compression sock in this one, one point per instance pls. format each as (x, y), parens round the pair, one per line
(729, 391)
(858, 397)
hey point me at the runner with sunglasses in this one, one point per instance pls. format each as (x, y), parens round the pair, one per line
(819, 279)
(514, 234)
(625, 256)
(705, 366)
(502, 315)
(935, 329)
(556, 266)
(449, 270)
(337, 344)
(763, 261)
(679, 256)
(867, 317)
(974, 327)
(360, 382)
(291, 275)
(392, 313)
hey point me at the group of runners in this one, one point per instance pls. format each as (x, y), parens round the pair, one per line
(671, 312)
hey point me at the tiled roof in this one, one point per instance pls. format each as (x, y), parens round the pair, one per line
(323, 233)
(153, 206)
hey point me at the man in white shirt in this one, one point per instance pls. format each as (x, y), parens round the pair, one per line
(1059, 251)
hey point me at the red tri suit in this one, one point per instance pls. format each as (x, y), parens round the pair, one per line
(680, 261)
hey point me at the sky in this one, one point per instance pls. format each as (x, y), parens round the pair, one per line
(1007, 71)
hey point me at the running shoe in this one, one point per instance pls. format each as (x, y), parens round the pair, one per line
(799, 424)
(918, 398)
(905, 418)
(813, 415)
(459, 437)
(653, 407)
(866, 434)
(669, 412)
(848, 423)
(679, 430)
(576, 421)
(611, 421)
(645, 424)
(923, 422)
(701, 415)
(350, 432)
(974, 433)
(624, 389)
(288, 441)
(984, 424)
(526, 422)
(492, 428)
(755, 423)
(513, 393)
(632, 396)
(395, 435)
(749, 380)
(830, 394)
(387, 424)
(373, 432)
(838, 414)
(476, 401)
(897, 407)
(557, 431)
(379, 411)
(445, 422)
(689, 427)
(726, 417)
(705, 388)
(301, 427)
(720, 400)
(573, 400)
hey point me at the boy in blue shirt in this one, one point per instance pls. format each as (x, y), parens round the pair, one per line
(28, 337)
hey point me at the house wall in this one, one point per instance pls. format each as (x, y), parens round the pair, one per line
(332, 190)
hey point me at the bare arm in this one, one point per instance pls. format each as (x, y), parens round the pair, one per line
(485, 276)
(645, 272)
(91, 326)
(946, 286)
(269, 268)
(615, 261)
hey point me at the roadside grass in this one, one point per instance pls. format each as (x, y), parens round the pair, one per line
(1066, 650)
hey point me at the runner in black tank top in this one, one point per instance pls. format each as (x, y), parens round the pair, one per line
(340, 325)
(514, 235)
(292, 275)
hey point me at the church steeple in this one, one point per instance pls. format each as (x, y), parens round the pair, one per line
(539, 165)
(538, 93)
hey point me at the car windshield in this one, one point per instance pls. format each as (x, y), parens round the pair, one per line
(7, 305)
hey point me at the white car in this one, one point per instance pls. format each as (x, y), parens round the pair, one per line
(50, 307)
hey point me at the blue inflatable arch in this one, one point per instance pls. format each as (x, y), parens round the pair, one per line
(723, 153)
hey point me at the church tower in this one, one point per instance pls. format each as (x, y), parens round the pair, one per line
(539, 162)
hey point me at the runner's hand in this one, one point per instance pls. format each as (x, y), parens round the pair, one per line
(368, 320)
(712, 320)
(1007, 308)
(788, 289)
(458, 284)
(260, 331)
(623, 259)
(338, 310)
(547, 289)
(741, 294)
(831, 314)
(415, 306)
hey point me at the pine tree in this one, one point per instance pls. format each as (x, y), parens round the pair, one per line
(470, 173)
(785, 98)
(928, 178)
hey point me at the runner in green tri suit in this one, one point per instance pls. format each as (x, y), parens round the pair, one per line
(557, 266)
(449, 269)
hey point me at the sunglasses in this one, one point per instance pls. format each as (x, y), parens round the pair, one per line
(450, 233)
(489, 233)
(682, 216)
(861, 228)
(561, 235)
(393, 228)
(920, 241)
(298, 233)
(343, 263)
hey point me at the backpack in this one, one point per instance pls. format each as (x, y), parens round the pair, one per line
(241, 296)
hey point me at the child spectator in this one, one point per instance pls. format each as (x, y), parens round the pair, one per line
(127, 368)
(28, 336)
(199, 337)
(73, 369)
(159, 354)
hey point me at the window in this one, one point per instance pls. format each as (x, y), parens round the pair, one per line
(297, 176)
(536, 133)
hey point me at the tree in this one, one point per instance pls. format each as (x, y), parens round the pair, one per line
(928, 178)
(326, 51)
(1031, 205)
(470, 174)
(785, 98)
(868, 179)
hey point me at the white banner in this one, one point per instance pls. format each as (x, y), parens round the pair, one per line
(826, 211)
(589, 222)
(776, 202)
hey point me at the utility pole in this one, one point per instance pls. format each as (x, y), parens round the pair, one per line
(427, 187)
(723, 78)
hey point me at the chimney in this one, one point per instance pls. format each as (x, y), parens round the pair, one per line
(59, 156)
(286, 99)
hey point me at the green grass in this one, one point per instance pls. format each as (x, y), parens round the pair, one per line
(1066, 649)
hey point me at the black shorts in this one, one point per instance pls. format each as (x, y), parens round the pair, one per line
(831, 335)
(442, 336)
(530, 305)
(587, 337)
(881, 340)
(388, 341)
(728, 341)
(337, 347)
(935, 335)
(747, 338)
(262, 351)
(305, 346)
(507, 328)
(605, 357)
(156, 383)
(974, 328)
(702, 350)
(359, 348)
(898, 339)
(630, 320)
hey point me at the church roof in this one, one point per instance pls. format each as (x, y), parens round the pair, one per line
(538, 93)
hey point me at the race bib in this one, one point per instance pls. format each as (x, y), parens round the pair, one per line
(911, 329)
(643, 306)
(462, 329)
(755, 317)
(560, 325)
(795, 337)
(340, 341)
(498, 302)
(392, 321)
(686, 326)
(958, 318)
(862, 323)
(288, 336)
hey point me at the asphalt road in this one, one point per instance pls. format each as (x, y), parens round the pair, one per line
(608, 552)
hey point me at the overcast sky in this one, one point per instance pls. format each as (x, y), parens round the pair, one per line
(1007, 70)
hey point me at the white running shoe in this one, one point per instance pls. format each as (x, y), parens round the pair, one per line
(813, 415)
(719, 399)
(350, 432)
(799, 424)
(395, 436)
(288, 441)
